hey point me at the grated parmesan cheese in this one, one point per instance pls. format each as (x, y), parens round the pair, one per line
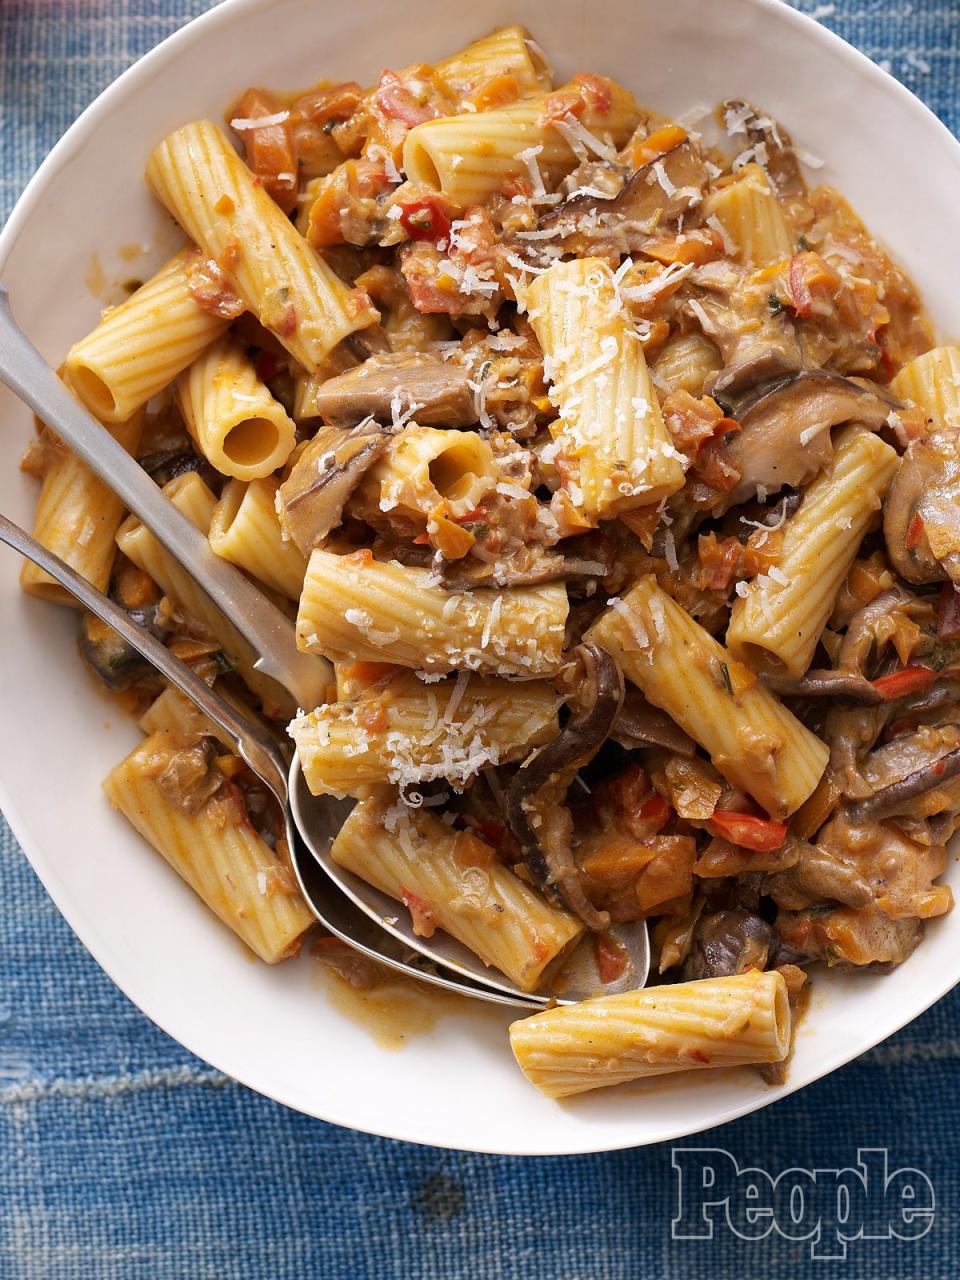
(242, 123)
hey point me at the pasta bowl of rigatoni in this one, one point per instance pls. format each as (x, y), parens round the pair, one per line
(579, 383)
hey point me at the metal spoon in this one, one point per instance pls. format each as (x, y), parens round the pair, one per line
(271, 634)
(335, 911)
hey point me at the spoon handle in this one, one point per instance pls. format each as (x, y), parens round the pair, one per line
(269, 631)
(252, 743)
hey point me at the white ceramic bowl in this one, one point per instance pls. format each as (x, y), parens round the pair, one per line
(274, 1029)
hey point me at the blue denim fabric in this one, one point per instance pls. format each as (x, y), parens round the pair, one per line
(122, 1157)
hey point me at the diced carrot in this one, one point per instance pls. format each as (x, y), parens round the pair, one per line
(685, 249)
(617, 861)
(367, 672)
(270, 150)
(421, 913)
(901, 683)
(655, 145)
(498, 91)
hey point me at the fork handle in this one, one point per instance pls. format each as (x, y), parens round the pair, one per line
(250, 741)
(269, 631)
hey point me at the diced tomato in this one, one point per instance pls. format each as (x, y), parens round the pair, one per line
(426, 218)
(699, 1056)
(421, 913)
(475, 513)
(762, 835)
(491, 830)
(422, 540)
(948, 614)
(397, 102)
(901, 683)
(799, 290)
(611, 958)
(595, 91)
(915, 532)
(655, 809)
(374, 719)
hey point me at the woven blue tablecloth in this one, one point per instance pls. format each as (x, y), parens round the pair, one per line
(121, 1156)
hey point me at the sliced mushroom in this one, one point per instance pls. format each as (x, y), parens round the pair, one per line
(897, 796)
(312, 498)
(192, 776)
(826, 684)
(117, 664)
(726, 943)
(655, 194)
(863, 628)
(819, 875)
(534, 801)
(785, 429)
(383, 384)
(757, 344)
(640, 724)
(779, 157)
(926, 490)
(166, 465)
(529, 567)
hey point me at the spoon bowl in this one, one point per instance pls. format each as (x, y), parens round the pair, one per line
(577, 977)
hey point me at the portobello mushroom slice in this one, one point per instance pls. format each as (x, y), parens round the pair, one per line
(534, 802)
(116, 663)
(640, 724)
(784, 438)
(757, 345)
(312, 498)
(918, 766)
(440, 391)
(779, 159)
(727, 943)
(921, 519)
(653, 195)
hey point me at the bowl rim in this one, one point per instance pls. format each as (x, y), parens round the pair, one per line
(67, 147)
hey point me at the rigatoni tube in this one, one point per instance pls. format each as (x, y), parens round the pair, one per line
(288, 287)
(932, 383)
(750, 218)
(755, 742)
(508, 51)
(717, 1022)
(220, 856)
(234, 420)
(77, 518)
(451, 880)
(356, 607)
(245, 529)
(192, 498)
(611, 434)
(470, 157)
(779, 617)
(140, 346)
(407, 732)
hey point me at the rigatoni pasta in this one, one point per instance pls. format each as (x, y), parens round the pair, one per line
(470, 157)
(77, 517)
(779, 617)
(245, 529)
(451, 880)
(221, 858)
(291, 291)
(611, 433)
(394, 613)
(717, 1022)
(140, 346)
(236, 423)
(755, 742)
(405, 732)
